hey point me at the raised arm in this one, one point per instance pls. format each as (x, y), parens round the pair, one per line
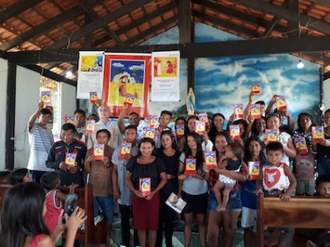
(248, 106)
(35, 115)
(121, 117)
(271, 104)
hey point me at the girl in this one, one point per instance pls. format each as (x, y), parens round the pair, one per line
(218, 120)
(193, 189)
(22, 221)
(19, 175)
(170, 156)
(146, 208)
(256, 127)
(231, 161)
(180, 121)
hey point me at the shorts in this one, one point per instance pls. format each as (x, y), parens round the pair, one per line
(249, 217)
(107, 206)
(196, 204)
(234, 203)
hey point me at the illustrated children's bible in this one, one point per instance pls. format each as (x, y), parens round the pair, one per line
(93, 97)
(271, 135)
(176, 203)
(129, 100)
(210, 159)
(254, 168)
(145, 186)
(150, 132)
(90, 126)
(46, 97)
(281, 103)
(200, 127)
(255, 111)
(190, 166)
(203, 117)
(300, 144)
(153, 120)
(255, 87)
(98, 151)
(317, 133)
(69, 119)
(125, 148)
(234, 131)
(238, 110)
(179, 129)
(70, 159)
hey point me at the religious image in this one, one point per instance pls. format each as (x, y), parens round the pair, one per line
(165, 66)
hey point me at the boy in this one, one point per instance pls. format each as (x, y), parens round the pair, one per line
(322, 186)
(120, 189)
(164, 120)
(56, 158)
(100, 177)
(276, 179)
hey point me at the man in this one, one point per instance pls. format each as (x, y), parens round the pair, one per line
(79, 122)
(41, 140)
(133, 119)
(164, 120)
(56, 158)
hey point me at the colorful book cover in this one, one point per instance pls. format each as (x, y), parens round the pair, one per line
(281, 103)
(129, 100)
(234, 131)
(69, 119)
(46, 97)
(203, 117)
(239, 110)
(93, 97)
(200, 127)
(255, 111)
(90, 126)
(145, 186)
(179, 130)
(70, 159)
(98, 151)
(190, 166)
(125, 148)
(153, 120)
(255, 87)
(317, 133)
(300, 144)
(150, 132)
(271, 135)
(210, 159)
(176, 203)
(254, 168)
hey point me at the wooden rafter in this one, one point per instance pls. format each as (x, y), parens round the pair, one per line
(17, 8)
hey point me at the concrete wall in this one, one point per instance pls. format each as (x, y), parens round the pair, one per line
(3, 92)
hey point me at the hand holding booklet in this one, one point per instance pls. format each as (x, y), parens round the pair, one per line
(176, 203)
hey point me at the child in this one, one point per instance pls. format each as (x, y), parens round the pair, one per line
(232, 161)
(276, 179)
(120, 189)
(100, 177)
(19, 175)
(50, 181)
(322, 186)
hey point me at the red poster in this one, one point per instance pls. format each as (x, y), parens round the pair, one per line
(126, 74)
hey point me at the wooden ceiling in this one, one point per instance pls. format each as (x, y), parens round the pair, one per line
(29, 25)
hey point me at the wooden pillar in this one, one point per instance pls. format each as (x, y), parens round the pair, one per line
(10, 116)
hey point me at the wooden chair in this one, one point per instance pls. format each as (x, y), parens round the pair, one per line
(300, 212)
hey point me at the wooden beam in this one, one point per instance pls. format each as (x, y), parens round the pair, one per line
(17, 8)
(270, 28)
(185, 21)
(323, 2)
(293, 25)
(100, 23)
(42, 28)
(307, 44)
(281, 12)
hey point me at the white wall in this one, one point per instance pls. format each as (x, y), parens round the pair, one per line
(3, 93)
(27, 98)
(68, 100)
(326, 91)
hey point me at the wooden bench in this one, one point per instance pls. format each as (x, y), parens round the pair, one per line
(92, 235)
(300, 212)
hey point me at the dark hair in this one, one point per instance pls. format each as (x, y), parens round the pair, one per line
(189, 118)
(248, 154)
(213, 129)
(69, 126)
(45, 111)
(17, 175)
(226, 136)
(4, 177)
(133, 113)
(322, 179)
(254, 129)
(274, 114)
(169, 133)
(327, 111)
(49, 180)
(304, 114)
(22, 214)
(105, 131)
(166, 113)
(237, 149)
(146, 140)
(185, 124)
(199, 154)
(93, 115)
(261, 102)
(274, 146)
(79, 111)
(241, 121)
(131, 127)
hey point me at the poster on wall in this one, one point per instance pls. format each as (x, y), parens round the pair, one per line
(90, 74)
(127, 79)
(165, 76)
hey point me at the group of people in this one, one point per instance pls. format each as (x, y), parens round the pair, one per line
(214, 198)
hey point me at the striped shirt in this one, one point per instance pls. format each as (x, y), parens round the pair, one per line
(41, 141)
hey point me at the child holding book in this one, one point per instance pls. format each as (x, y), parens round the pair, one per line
(232, 161)
(100, 169)
(276, 179)
(120, 190)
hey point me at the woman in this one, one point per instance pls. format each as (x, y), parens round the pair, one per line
(229, 217)
(180, 121)
(146, 208)
(303, 165)
(170, 156)
(253, 152)
(218, 120)
(323, 148)
(193, 189)
(22, 221)
(256, 127)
